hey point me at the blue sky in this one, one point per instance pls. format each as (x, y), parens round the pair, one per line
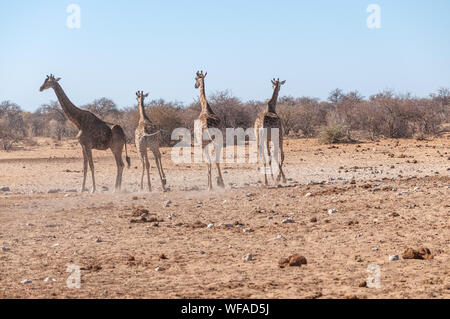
(157, 46)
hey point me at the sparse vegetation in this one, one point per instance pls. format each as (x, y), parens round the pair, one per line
(385, 114)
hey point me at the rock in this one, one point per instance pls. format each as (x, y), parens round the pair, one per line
(393, 257)
(198, 224)
(159, 269)
(422, 254)
(293, 261)
(53, 191)
(98, 240)
(280, 237)
(332, 211)
(363, 284)
(425, 253)
(289, 220)
(163, 256)
(249, 195)
(202, 252)
(167, 203)
(5, 249)
(248, 230)
(138, 212)
(313, 220)
(49, 279)
(211, 225)
(26, 282)
(283, 262)
(5, 189)
(248, 257)
(308, 195)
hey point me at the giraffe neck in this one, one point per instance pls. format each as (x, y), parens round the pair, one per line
(206, 108)
(272, 104)
(142, 115)
(72, 112)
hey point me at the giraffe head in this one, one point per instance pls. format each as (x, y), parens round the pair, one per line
(49, 82)
(277, 83)
(140, 97)
(200, 78)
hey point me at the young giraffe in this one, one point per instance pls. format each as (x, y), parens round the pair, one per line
(208, 120)
(268, 120)
(148, 136)
(94, 134)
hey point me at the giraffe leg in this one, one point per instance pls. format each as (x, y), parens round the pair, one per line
(120, 165)
(85, 169)
(147, 166)
(162, 170)
(143, 170)
(91, 165)
(142, 154)
(262, 153)
(220, 182)
(210, 187)
(264, 160)
(269, 155)
(209, 165)
(281, 173)
(157, 155)
(257, 149)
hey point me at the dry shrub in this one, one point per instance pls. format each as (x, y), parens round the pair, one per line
(335, 134)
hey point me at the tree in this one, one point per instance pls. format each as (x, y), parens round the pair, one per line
(103, 108)
(12, 125)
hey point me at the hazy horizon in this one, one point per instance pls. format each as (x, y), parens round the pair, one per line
(157, 47)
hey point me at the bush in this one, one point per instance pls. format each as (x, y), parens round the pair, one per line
(334, 134)
(12, 125)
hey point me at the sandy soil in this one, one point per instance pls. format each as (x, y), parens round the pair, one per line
(398, 199)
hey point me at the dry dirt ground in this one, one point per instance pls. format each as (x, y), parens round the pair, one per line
(388, 196)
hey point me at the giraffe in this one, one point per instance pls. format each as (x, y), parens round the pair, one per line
(147, 135)
(208, 119)
(268, 120)
(94, 134)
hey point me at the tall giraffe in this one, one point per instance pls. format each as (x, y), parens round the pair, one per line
(268, 120)
(147, 135)
(94, 134)
(208, 119)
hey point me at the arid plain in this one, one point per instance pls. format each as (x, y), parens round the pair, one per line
(344, 208)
